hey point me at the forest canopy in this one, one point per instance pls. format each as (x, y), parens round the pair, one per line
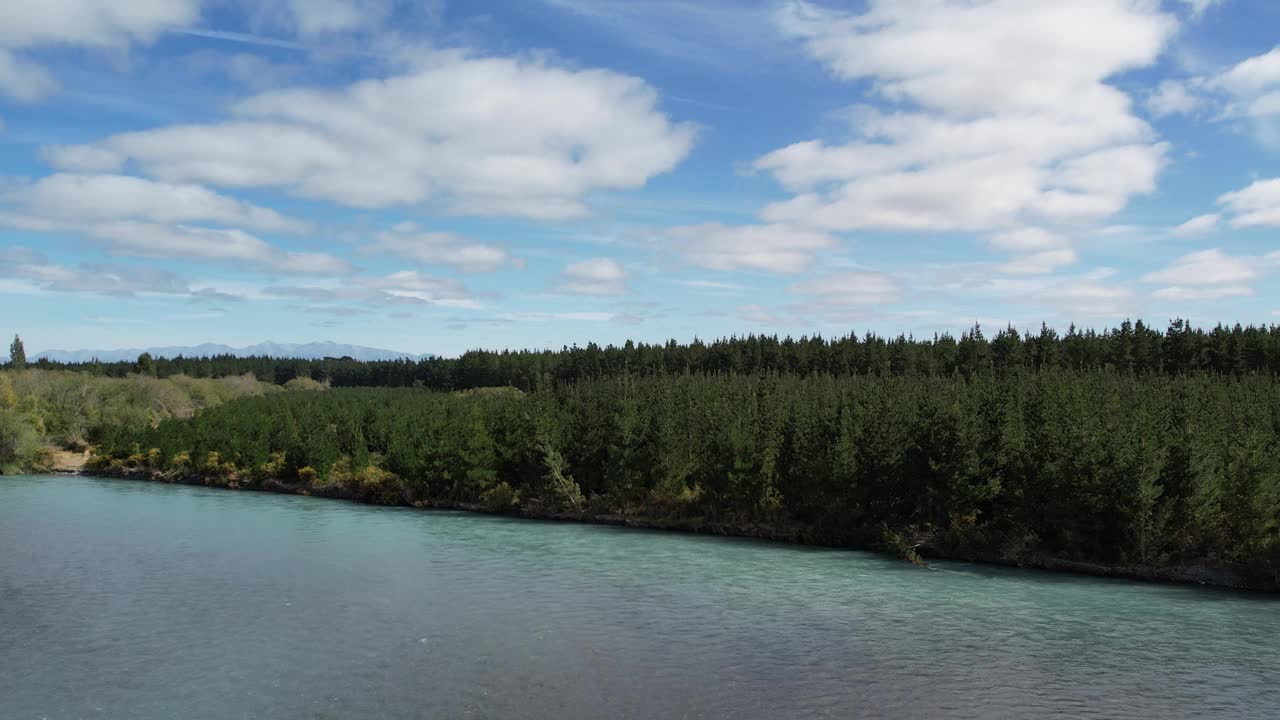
(1132, 347)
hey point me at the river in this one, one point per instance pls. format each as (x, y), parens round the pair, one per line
(132, 600)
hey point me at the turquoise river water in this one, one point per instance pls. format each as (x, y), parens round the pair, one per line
(132, 600)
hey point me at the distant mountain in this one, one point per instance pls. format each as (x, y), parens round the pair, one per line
(304, 351)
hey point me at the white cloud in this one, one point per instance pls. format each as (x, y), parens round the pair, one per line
(1182, 292)
(1037, 251)
(1253, 88)
(24, 81)
(1252, 75)
(1083, 295)
(773, 248)
(477, 135)
(710, 285)
(439, 248)
(413, 287)
(134, 216)
(92, 23)
(1089, 297)
(1029, 239)
(34, 269)
(210, 244)
(1007, 116)
(83, 158)
(99, 24)
(597, 276)
(1173, 97)
(1256, 205)
(850, 288)
(319, 17)
(1039, 263)
(406, 287)
(760, 315)
(1206, 267)
(82, 199)
(1198, 225)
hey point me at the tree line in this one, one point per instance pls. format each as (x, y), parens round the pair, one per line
(1090, 466)
(1133, 347)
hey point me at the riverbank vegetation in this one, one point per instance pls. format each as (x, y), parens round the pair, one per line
(1103, 467)
(43, 411)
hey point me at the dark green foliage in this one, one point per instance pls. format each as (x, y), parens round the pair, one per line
(1134, 348)
(17, 354)
(1084, 465)
(146, 365)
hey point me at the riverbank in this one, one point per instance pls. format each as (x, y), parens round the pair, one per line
(1204, 573)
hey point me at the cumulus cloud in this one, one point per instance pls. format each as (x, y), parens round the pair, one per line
(406, 287)
(32, 267)
(761, 315)
(438, 248)
(1181, 292)
(1256, 205)
(183, 242)
(850, 288)
(1252, 87)
(1006, 115)
(495, 136)
(1030, 239)
(772, 248)
(1211, 275)
(22, 80)
(413, 287)
(1092, 294)
(597, 276)
(1199, 225)
(145, 218)
(1039, 263)
(1089, 297)
(1206, 267)
(1173, 97)
(99, 24)
(1036, 251)
(74, 199)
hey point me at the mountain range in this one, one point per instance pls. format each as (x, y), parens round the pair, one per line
(301, 351)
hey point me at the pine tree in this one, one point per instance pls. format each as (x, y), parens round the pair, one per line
(17, 354)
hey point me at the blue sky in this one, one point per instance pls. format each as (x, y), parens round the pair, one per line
(438, 176)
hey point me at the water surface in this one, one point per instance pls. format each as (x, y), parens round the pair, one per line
(132, 600)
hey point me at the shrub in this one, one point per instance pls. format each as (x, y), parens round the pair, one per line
(898, 545)
(181, 462)
(500, 498)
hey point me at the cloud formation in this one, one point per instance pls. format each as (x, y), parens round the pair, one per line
(775, 248)
(1006, 115)
(438, 248)
(489, 136)
(597, 276)
(94, 24)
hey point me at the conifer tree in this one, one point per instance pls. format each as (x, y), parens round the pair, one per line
(17, 354)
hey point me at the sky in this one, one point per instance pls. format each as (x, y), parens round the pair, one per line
(440, 175)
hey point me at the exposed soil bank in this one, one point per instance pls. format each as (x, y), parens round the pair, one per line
(1207, 573)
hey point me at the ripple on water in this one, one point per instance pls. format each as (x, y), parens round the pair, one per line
(123, 599)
